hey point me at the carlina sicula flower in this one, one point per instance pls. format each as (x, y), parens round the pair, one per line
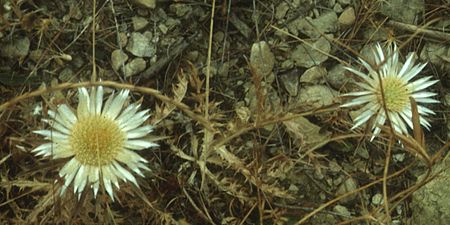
(397, 89)
(99, 139)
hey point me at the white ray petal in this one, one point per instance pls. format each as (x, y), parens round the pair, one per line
(408, 64)
(93, 101)
(125, 173)
(139, 132)
(358, 93)
(420, 84)
(139, 144)
(426, 100)
(407, 119)
(423, 94)
(51, 134)
(368, 87)
(95, 188)
(362, 119)
(99, 100)
(376, 132)
(425, 111)
(367, 112)
(129, 157)
(371, 71)
(424, 122)
(380, 119)
(360, 101)
(57, 126)
(60, 120)
(108, 103)
(395, 119)
(135, 121)
(360, 74)
(80, 179)
(66, 113)
(127, 113)
(68, 172)
(62, 152)
(107, 177)
(83, 102)
(413, 72)
(43, 148)
(379, 55)
(117, 104)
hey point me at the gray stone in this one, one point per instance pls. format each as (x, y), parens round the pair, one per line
(140, 46)
(313, 97)
(163, 28)
(348, 185)
(150, 4)
(181, 9)
(348, 17)
(123, 39)
(134, 67)
(118, 58)
(338, 8)
(17, 48)
(281, 10)
(362, 152)
(293, 188)
(272, 102)
(367, 53)
(306, 56)
(377, 199)
(306, 134)
(314, 75)
(376, 33)
(287, 64)
(447, 99)
(338, 76)
(331, 3)
(436, 53)
(218, 36)
(66, 75)
(342, 211)
(399, 157)
(290, 83)
(404, 11)
(262, 58)
(139, 22)
(431, 203)
(35, 55)
(314, 28)
(171, 23)
(344, 2)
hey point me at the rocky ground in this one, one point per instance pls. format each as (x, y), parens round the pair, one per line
(280, 150)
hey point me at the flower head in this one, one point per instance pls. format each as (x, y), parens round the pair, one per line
(391, 83)
(99, 139)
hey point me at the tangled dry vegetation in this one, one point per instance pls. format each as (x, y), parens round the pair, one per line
(233, 147)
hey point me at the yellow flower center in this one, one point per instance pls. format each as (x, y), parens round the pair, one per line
(396, 94)
(96, 140)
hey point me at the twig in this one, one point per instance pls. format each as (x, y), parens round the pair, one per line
(331, 202)
(207, 134)
(94, 66)
(416, 29)
(146, 90)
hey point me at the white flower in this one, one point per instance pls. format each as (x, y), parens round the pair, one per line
(397, 89)
(100, 141)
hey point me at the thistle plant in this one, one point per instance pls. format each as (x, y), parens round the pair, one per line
(99, 140)
(386, 90)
